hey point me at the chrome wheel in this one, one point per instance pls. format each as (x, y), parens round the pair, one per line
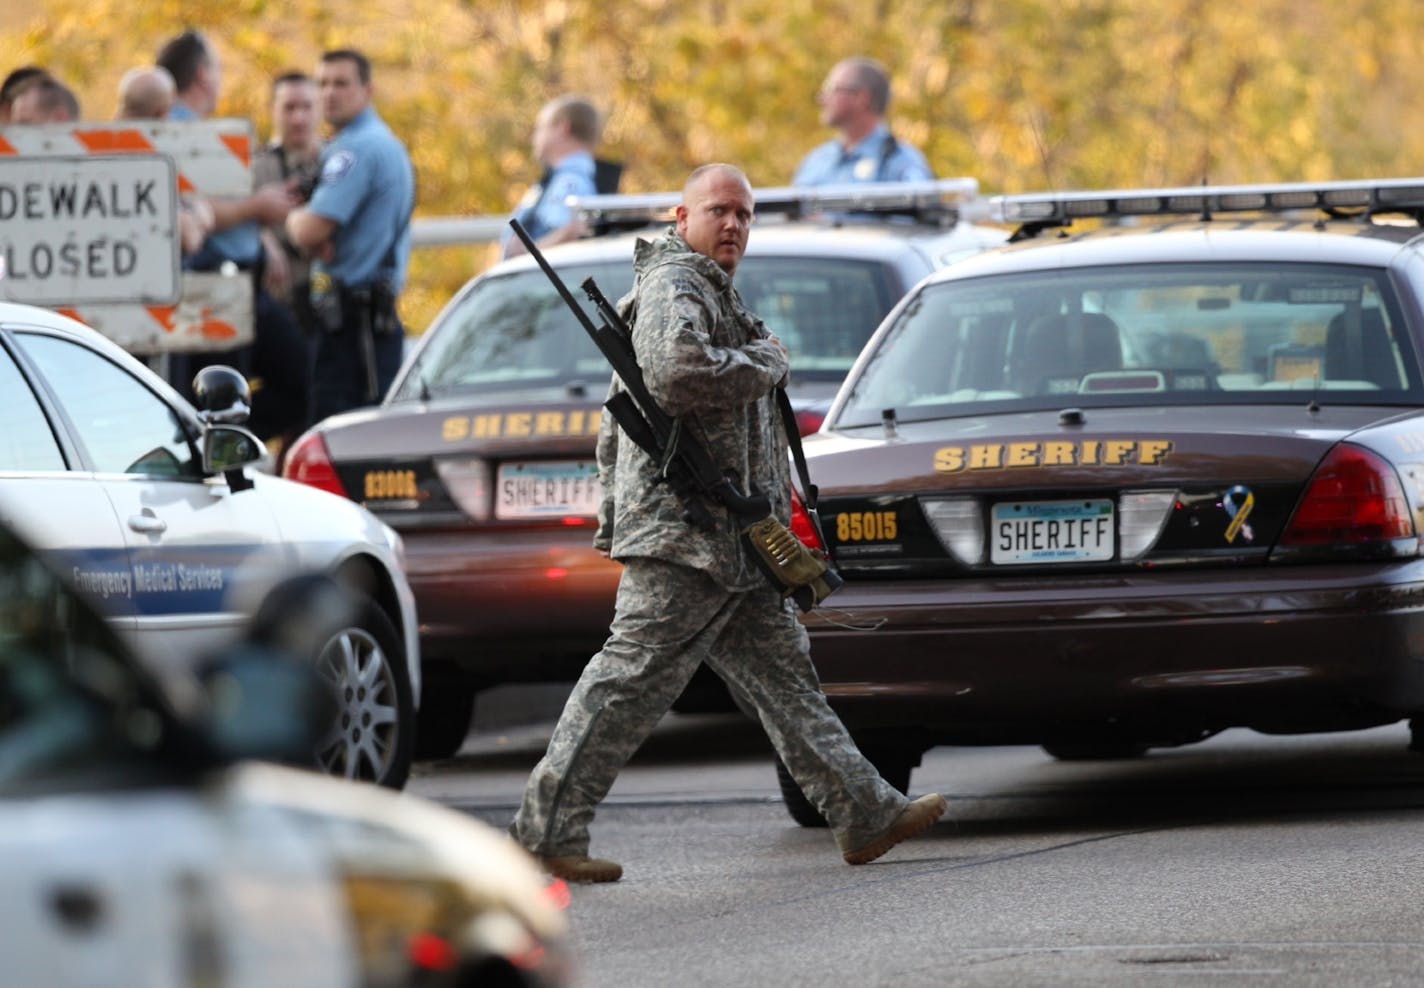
(370, 736)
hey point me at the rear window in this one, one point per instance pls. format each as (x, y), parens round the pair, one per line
(514, 332)
(1141, 335)
(824, 310)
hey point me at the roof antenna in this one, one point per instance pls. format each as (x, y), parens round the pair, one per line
(1206, 209)
(887, 419)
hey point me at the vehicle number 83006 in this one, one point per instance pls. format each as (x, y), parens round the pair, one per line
(866, 526)
(385, 485)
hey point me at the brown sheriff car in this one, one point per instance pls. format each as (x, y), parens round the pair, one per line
(1110, 490)
(482, 454)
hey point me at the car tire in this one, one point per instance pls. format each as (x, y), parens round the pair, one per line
(373, 736)
(447, 705)
(1096, 751)
(892, 762)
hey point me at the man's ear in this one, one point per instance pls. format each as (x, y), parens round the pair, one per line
(681, 214)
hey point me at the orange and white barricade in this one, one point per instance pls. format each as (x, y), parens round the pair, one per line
(89, 227)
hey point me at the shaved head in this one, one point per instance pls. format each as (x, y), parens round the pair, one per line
(716, 214)
(146, 93)
(701, 174)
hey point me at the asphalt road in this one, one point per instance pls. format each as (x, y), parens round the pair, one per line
(1245, 860)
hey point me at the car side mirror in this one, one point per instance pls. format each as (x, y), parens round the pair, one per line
(230, 447)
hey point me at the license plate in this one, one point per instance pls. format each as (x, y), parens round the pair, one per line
(544, 489)
(1051, 532)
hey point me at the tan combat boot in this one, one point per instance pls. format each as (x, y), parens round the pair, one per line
(914, 819)
(581, 868)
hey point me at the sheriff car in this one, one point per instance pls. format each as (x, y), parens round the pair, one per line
(1119, 488)
(482, 454)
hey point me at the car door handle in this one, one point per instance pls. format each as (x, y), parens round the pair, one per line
(149, 524)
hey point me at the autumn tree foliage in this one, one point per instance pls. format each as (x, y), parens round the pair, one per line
(1021, 94)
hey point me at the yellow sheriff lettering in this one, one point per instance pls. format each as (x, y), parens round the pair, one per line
(1024, 454)
(1116, 451)
(1057, 453)
(1151, 452)
(496, 425)
(519, 424)
(986, 457)
(949, 459)
(485, 426)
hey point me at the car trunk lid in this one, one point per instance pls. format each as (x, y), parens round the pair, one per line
(1072, 490)
(514, 458)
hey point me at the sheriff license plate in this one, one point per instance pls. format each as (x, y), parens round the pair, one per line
(540, 490)
(1051, 532)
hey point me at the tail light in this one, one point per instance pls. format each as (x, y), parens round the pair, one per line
(308, 462)
(1353, 497)
(808, 421)
(801, 525)
(431, 952)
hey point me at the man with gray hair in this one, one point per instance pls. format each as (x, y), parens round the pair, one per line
(565, 133)
(854, 99)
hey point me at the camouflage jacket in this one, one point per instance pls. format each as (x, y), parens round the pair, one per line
(711, 363)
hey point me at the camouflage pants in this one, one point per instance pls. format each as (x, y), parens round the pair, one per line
(669, 618)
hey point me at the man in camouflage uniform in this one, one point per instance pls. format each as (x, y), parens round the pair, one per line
(689, 595)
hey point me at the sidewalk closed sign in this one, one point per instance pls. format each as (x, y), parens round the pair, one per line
(76, 230)
(89, 227)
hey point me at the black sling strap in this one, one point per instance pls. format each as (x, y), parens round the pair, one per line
(809, 492)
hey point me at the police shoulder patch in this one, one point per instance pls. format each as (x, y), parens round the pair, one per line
(337, 165)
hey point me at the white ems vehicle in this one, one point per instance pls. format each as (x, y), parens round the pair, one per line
(141, 847)
(155, 511)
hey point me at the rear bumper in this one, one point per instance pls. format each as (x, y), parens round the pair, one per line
(1156, 655)
(511, 606)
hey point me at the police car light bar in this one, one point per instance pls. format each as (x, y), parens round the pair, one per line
(938, 198)
(1061, 208)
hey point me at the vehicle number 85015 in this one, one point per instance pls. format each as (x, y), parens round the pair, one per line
(866, 526)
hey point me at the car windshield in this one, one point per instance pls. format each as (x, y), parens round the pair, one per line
(1140, 335)
(513, 332)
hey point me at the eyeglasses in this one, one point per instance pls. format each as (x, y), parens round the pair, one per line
(826, 91)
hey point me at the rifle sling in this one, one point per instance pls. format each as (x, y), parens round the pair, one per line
(809, 491)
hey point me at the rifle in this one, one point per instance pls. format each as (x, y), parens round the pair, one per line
(684, 463)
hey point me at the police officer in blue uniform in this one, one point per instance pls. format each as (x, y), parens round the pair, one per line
(356, 228)
(565, 133)
(854, 100)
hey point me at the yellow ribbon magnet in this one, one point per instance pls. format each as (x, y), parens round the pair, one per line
(1238, 503)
